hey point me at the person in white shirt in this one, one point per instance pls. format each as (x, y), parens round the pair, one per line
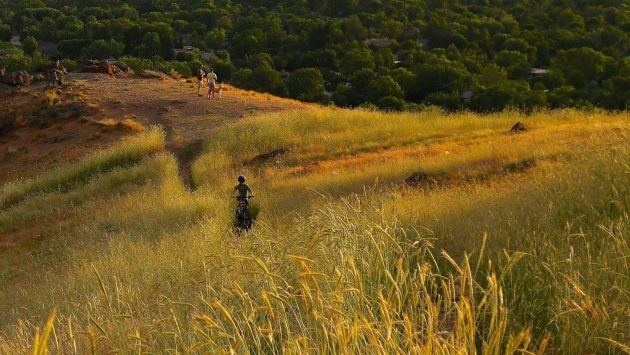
(212, 83)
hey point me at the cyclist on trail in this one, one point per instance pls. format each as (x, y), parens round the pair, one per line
(243, 190)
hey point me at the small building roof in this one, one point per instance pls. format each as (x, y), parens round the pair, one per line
(467, 94)
(379, 42)
(538, 71)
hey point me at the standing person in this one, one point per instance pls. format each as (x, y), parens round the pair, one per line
(212, 83)
(55, 72)
(110, 69)
(200, 75)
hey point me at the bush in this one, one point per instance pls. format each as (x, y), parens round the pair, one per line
(243, 78)
(69, 64)
(391, 103)
(307, 85)
(29, 45)
(224, 69)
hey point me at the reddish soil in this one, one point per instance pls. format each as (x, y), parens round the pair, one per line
(173, 103)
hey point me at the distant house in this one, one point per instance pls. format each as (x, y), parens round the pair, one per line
(378, 42)
(536, 72)
(467, 95)
(16, 40)
(184, 49)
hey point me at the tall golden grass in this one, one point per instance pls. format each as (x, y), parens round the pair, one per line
(518, 244)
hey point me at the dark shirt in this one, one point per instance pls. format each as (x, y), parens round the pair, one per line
(242, 190)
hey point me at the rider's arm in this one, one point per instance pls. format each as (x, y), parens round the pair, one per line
(250, 190)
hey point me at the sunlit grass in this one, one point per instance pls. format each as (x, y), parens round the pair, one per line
(126, 153)
(519, 243)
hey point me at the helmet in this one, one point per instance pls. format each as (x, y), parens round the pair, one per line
(241, 179)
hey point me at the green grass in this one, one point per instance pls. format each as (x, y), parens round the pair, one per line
(519, 244)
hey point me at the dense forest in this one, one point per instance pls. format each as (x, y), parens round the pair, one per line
(482, 55)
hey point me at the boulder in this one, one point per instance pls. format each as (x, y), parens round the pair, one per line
(266, 156)
(518, 127)
(102, 67)
(150, 74)
(17, 78)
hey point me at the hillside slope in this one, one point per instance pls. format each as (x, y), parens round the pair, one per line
(377, 232)
(53, 126)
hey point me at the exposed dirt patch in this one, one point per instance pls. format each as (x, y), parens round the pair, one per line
(186, 156)
(36, 122)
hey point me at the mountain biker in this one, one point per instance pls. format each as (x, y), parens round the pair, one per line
(243, 190)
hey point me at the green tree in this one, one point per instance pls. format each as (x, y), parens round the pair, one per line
(224, 69)
(102, 49)
(151, 45)
(384, 86)
(405, 79)
(243, 79)
(306, 84)
(215, 39)
(353, 29)
(492, 75)
(581, 65)
(502, 96)
(515, 62)
(29, 45)
(266, 79)
(5, 32)
(344, 96)
(355, 60)
(391, 103)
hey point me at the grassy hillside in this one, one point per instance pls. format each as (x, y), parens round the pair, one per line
(506, 242)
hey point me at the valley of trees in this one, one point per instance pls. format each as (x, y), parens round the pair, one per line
(390, 54)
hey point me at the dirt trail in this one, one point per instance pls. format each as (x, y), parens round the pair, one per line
(173, 104)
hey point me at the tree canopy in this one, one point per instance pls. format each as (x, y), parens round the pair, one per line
(519, 53)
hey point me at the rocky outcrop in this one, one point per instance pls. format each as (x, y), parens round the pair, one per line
(16, 78)
(266, 156)
(104, 67)
(151, 74)
(518, 128)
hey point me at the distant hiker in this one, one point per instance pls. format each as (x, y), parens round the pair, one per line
(212, 81)
(56, 71)
(110, 69)
(200, 75)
